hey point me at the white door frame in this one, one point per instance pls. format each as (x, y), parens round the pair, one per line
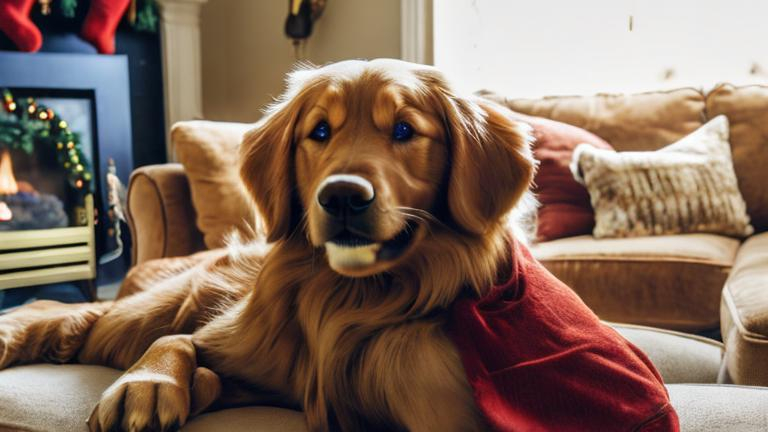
(415, 31)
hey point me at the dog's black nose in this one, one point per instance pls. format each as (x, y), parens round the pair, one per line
(345, 194)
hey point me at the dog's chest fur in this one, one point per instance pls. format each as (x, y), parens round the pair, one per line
(358, 352)
(373, 365)
(360, 360)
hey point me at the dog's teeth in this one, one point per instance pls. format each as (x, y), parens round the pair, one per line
(342, 256)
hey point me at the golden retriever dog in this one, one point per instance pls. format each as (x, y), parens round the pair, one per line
(384, 197)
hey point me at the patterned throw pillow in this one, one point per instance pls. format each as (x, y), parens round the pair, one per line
(688, 186)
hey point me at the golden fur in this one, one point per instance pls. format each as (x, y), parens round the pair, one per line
(355, 348)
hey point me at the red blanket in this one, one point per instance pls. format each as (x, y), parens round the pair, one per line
(539, 360)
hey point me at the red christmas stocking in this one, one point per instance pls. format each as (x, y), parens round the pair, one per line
(101, 22)
(15, 22)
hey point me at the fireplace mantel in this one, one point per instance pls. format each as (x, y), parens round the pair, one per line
(182, 69)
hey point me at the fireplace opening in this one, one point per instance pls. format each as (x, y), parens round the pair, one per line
(23, 206)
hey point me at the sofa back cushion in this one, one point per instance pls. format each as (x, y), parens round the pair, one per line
(635, 122)
(209, 153)
(747, 111)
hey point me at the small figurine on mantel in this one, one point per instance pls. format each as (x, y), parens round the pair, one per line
(116, 195)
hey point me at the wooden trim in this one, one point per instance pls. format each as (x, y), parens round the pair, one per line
(25, 239)
(415, 31)
(45, 257)
(91, 236)
(45, 276)
(182, 67)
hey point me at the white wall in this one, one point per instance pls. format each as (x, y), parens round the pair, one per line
(528, 48)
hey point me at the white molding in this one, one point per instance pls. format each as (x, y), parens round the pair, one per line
(413, 30)
(182, 68)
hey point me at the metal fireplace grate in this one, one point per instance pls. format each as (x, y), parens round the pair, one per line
(36, 257)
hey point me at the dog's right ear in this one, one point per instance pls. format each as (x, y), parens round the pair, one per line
(266, 158)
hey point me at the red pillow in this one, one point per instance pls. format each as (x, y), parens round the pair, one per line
(565, 207)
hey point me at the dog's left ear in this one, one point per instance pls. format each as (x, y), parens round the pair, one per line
(492, 164)
(266, 165)
(265, 168)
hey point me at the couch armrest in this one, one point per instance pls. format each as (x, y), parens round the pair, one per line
(160, 213)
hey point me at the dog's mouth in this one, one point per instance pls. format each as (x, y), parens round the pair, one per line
(349, 252)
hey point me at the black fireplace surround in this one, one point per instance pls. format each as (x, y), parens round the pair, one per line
(105, 81)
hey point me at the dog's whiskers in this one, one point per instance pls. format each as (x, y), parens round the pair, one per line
(423, 216)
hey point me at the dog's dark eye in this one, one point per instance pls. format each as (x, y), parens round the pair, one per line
(321, 132)
(402, 131)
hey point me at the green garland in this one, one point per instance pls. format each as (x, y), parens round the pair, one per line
(145, 19)
(68, 8)
(25, 125)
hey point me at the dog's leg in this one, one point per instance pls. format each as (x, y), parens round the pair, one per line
(46, 331)
(158, 392)
(177, 303)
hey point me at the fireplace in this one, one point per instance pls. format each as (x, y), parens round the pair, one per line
(55, 216)
(46, 200)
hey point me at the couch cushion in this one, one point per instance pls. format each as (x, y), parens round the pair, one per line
(718, 408)
(209, 152)
(665, 281)
(48, 397)
(679, 357)
(747, 110)
(645, 121)
(60, 397)
(745, 314)
(249, 419)
(44, 398)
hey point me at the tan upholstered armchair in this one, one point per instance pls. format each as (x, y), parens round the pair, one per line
(161, 215)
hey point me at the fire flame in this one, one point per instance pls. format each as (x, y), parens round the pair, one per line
(5, 212)
(8, 185)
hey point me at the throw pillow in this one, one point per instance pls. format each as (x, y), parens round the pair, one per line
(209, 153)
(564, 209)
(688, 186)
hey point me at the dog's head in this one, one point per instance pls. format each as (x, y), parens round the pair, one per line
(365, 158)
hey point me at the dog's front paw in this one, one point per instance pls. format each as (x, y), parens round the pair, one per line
(141, 401)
